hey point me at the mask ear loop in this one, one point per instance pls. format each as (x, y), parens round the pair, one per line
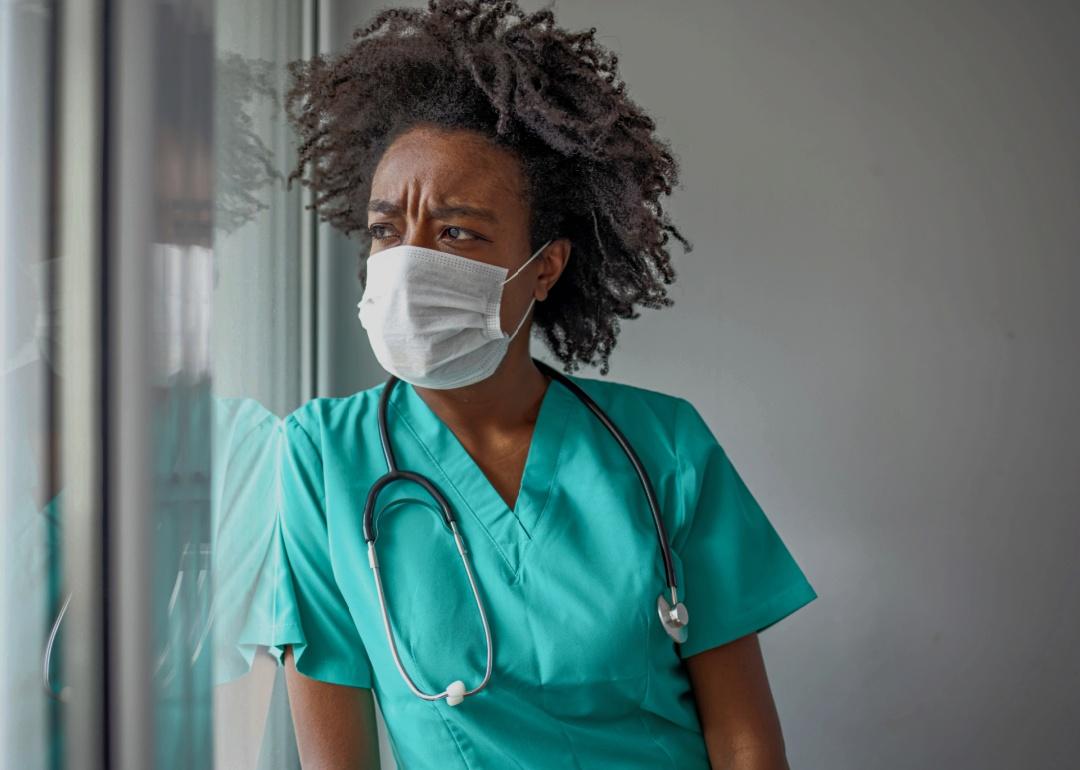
(533, 300)
(522, 321)
(527, 261)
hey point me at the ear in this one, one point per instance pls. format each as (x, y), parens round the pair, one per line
(552, 263)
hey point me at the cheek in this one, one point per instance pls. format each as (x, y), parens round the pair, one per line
(515, 299)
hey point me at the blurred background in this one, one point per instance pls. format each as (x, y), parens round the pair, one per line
(878, 321)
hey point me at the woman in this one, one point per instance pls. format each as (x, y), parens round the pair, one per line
(505, 181)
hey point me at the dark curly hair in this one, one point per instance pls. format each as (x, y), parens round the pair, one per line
(594, 168)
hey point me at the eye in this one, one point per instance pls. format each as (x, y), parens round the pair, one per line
(468, 236)
(375, 231)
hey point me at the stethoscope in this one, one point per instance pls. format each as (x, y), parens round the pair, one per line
(673, 614)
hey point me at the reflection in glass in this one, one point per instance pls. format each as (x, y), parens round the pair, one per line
(31, 590)
(220, 353)
(255, 353)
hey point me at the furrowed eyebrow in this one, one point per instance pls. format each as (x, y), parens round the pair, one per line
(446, 212)
(380, 206)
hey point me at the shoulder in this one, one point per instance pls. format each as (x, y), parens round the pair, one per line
(639, 402)
(632, 398)
(324, 418)
(655, 415)
(240, 420)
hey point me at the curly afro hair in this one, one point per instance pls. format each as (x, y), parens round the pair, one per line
(594, 168)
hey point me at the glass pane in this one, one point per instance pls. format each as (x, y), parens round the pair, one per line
(256, 356)
(32, 596)
(209, 259)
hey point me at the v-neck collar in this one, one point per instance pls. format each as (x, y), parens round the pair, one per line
(461, 478)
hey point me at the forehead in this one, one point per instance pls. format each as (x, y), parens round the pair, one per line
(458, 164)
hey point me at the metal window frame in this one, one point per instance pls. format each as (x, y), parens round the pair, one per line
(81, 412)
(312, 278)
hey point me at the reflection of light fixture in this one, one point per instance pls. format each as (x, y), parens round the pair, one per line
(182, 288)
(202, 569)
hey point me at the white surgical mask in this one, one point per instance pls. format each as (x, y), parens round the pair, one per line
(47, 317)
(180, 294)
(433, 317)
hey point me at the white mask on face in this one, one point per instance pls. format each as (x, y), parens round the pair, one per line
(180, 293)
(433, 317)
(47, 317)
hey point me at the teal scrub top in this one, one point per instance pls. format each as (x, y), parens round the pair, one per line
(584, 674)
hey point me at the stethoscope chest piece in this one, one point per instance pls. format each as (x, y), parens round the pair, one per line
(673, 618)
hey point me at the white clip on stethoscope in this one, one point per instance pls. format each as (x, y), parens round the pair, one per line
(673, 614)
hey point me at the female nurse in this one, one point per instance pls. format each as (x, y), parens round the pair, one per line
(507, 184)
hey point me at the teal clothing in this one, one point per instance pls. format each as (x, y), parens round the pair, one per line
(245, 444)
(584, 674)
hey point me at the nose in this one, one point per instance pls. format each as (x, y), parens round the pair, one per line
(421, 237)
(420, 232)
(411, 232)
(427, 243)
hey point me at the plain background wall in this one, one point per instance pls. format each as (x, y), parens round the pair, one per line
(878, 320)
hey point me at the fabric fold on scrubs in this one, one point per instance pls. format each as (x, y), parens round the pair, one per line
(245, 456)
(311, 614)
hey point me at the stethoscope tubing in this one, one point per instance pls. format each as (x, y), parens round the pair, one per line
(672, 615)
(639, 468)
(394, 473)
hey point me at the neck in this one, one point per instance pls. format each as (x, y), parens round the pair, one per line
(507, 399)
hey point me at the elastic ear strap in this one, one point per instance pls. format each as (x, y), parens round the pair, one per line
(522, 321)
(527, 261)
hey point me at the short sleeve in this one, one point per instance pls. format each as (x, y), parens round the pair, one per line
(738, 576)
(310, 611)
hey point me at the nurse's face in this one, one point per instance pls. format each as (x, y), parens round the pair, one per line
(456, 191)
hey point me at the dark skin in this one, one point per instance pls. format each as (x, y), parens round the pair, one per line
(424, 170)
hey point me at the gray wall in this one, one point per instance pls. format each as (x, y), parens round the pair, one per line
(877, 321)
